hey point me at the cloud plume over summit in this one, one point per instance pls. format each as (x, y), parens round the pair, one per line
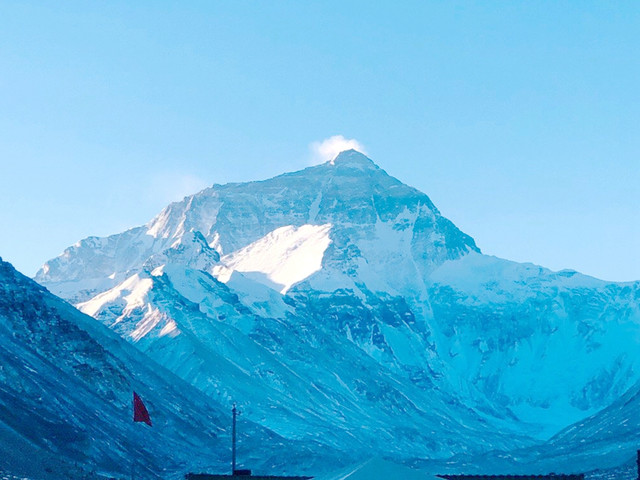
(327, 149)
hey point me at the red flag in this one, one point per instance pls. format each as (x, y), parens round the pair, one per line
(140, 413)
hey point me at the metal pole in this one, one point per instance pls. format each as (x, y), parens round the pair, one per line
(233, 441)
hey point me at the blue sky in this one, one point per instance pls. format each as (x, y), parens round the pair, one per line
(521, 120)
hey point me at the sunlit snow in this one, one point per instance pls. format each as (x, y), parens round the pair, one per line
(285, 256)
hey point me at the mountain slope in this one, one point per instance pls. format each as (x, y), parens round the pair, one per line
(349, 288)
(557, 344)
(603, 446)
(295, 379)
(608, 439)
(65, 399)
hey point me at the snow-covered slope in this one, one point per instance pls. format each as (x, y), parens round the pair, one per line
(295, 379)
(607, 439)
(342, 293)
(284, 257)
(66, 386)
(603, 446)
(545, 345)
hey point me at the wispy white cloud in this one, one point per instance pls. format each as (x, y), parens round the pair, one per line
(329, 148)
(171, 186)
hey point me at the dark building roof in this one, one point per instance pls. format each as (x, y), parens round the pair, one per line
(551, 476)
(210, 476)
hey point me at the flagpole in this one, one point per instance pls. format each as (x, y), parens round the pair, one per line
(133, 402)
(233, 441)
(133, 457)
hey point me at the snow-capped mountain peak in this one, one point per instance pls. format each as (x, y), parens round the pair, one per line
(354, 160)
(348, 287)
(371, 212)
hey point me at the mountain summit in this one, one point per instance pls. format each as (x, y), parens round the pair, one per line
(359, 200)
(353, 159)
(338, 305)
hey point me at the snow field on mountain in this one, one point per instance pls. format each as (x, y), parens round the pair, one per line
(285, 256)
(558, 354)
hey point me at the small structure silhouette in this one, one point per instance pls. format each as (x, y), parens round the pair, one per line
(237, 474)
(241, 475)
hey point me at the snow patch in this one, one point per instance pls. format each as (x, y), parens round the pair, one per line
(284, 257)
(150, 320)
(133, 290)
(170, 329)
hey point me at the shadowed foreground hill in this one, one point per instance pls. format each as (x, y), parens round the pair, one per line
(66, 384)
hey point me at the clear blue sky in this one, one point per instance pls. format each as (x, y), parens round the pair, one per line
(521, 120)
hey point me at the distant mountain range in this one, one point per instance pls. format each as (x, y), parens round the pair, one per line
(349, 318)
